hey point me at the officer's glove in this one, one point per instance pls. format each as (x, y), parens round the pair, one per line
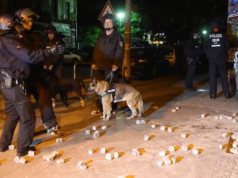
(56, 49)
(94, 67)
(114, 67)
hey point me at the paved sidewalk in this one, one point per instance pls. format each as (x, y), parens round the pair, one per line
(160, 96)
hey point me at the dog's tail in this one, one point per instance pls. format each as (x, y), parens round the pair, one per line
(141, 106)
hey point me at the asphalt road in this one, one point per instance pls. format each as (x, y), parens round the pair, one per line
(160, 96)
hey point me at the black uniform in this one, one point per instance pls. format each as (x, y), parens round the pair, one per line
(57, 63)
(108, 51)
(13, 61)
(192, 53)
(36, 84)
(216, 46)
(57, 60)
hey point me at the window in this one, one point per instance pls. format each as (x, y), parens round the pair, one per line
(54, 9)
(66, 52)
(67, 10)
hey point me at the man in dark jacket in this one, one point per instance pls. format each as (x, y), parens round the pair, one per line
(108, 55)
(216, 46)
(55, 63)
(14, 69)
(192, 53)
(36, 84)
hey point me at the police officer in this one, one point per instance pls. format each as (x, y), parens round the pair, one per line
(108, 55)
(216, 47)
(37, 86)
(14, 69)
(192, 48)
(55, 63)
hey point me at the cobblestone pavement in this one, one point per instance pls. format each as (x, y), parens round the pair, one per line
(160, 96)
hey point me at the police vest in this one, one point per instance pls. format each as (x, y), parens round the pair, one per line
(215, 40)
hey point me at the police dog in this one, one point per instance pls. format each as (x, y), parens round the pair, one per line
(123, 92)
(67, 85)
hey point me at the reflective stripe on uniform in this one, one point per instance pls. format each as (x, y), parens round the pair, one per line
(216, 45)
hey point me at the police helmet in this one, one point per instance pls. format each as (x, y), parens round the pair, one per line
(22, 14)
(108, 16)
(6, 23)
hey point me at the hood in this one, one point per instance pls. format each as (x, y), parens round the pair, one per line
(215, 26)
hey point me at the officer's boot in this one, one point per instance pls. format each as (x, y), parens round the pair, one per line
(55, 131)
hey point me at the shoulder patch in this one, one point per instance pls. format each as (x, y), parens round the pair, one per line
(121, 43)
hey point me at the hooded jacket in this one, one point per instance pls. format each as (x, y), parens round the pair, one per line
(216, 44)
(192, 48)
(56, 60)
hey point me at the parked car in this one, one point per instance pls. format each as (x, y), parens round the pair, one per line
(137, 42)
(169, 53)
(72, 58)
(147, 63)
(87, 52)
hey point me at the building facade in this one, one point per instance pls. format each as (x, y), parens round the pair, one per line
(60, 13)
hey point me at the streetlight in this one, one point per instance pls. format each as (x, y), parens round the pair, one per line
(204, 32)
(120, 16)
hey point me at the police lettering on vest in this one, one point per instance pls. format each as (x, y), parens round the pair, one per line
(215, 40)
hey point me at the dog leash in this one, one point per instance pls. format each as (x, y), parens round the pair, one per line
(110, 75)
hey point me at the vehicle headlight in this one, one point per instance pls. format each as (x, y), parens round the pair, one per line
(142, 60)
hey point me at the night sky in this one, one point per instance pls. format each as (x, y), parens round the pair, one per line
(90, 10)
